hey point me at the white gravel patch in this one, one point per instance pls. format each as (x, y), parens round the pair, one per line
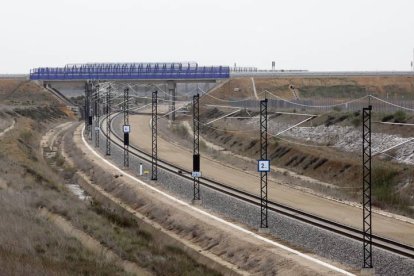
(348, 139)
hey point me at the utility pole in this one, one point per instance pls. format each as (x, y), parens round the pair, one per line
(126, 127)
(90, 103)
(263, 165)
(108, 120)
(196, 148)
(86, 111)
(154, 160)
(412, 62)
(366, 187)
(97, 111)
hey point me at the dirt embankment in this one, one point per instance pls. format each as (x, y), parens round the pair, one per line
(349, 87)
(28, 96)
(332, 159)
(323, 164)
(326, 148)
(339, 87)
(29, 244)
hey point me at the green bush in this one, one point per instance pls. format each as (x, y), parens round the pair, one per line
(383, 182)
(387, 118)
(400, 117)
(356, 121)
(337, 108)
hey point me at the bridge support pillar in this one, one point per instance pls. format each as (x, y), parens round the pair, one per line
(172, 88)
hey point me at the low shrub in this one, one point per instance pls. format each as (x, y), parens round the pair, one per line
(383, 182)
(387, 118)
(400, 117)
(337, 108)
(356, 121)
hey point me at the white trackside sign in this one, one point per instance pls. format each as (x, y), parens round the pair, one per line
(263, 165)
(196, 174)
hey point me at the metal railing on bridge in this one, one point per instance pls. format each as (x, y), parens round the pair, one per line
(131, 71)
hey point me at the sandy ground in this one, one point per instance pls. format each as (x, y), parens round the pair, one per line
(383, 226)
(224, 237)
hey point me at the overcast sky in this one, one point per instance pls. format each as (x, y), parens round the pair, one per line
(297, 34)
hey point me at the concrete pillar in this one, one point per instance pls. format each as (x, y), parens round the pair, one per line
(172, 88)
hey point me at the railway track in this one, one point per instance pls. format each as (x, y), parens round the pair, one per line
(332, 226)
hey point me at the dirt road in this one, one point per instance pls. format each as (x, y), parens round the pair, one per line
(382, 225)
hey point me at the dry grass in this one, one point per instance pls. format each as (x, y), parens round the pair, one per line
(44, 249)
(30, 245)
(122, 233)
(338, 87)
(25, 93)
(229, 91)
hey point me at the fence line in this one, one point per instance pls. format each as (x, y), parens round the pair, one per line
(319, 105)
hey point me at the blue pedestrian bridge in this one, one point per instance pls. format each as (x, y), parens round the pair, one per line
(131, 71)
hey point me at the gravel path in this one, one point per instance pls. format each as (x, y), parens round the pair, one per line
(291, 232)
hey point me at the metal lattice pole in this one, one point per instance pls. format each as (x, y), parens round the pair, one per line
(196, 148)
(263, 156)
(126, 127)
(108, 121)
(173, 98)
(86, 111)
(97, 111)
(154, 161)
(366, 186)
(90, 106)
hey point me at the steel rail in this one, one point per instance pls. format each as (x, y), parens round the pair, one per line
(302, 216)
